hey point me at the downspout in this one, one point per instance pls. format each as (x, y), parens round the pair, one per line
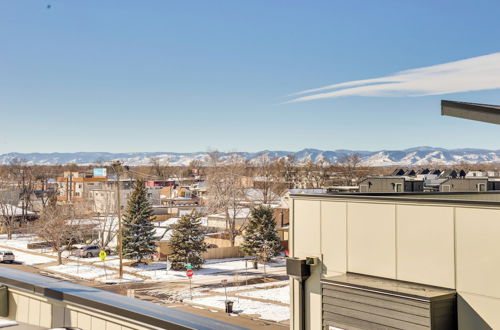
(300, 270)
(302, 299)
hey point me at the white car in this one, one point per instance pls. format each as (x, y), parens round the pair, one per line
(7, 256)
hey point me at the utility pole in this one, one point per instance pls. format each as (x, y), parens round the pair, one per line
(117, 167)
(23, 205)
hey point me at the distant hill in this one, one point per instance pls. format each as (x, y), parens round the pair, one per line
(408, 157)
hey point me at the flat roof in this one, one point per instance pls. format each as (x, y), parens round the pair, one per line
(487, 198)
(473, 111)
(389, 286)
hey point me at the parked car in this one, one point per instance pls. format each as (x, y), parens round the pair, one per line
(7, 256)
(89, 251)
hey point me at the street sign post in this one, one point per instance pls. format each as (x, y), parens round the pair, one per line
(189, 273)
(103, 255)
(224, 282)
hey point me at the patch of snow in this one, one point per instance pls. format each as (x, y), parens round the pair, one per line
(18, 241)
(31, 259)
(266, 311)
(82, 271)
(7, 323)
(252, 286)
(281, 295)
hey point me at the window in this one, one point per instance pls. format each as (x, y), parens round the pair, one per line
(481, 187)
(398, 187)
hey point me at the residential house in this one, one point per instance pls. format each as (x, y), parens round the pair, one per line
(179, 200)
(385, 184)
(464, 184)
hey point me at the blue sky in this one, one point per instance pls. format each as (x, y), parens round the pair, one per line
(181, 76)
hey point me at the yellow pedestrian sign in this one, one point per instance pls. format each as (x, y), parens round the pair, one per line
(102, 255)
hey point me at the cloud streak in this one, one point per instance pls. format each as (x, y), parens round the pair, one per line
(472, 74)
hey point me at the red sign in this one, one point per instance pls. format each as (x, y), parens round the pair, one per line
(189, 273)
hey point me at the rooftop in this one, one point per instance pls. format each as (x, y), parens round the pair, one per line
(491, 198)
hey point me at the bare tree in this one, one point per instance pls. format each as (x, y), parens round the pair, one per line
(197, 169)
(349, 165)
(289, 170)
(57, 226)
(315, 174)
(108, 220)
(162, 171)
(41, 176)
(22, 174)
(269, 179)
(226, 192)
(179, 173)
(8, 210)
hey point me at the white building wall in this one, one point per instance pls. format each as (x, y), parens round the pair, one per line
(446, 245)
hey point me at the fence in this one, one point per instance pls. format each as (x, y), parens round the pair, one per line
(164, 249)
(223, 252)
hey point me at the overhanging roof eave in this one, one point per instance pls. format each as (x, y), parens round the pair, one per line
(472, 111)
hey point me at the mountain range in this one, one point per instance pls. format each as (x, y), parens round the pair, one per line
(407, 157)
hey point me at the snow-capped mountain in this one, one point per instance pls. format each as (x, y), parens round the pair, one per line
(408, 157)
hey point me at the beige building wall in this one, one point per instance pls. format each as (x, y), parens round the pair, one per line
(447, 244)
(425, 245)
(45, 312)
(368, 253)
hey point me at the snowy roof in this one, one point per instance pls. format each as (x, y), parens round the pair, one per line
(240, 214)
(82, 222)
(163, 228)
(258, 195)
(307, 191)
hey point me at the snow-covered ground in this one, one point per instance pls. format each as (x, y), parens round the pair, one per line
(17, 241)
(266, 311)
(247, 298)
(157, 271)
(281, 295)
(251, 286)
(79, 270)
(89, 272)
(31, 259)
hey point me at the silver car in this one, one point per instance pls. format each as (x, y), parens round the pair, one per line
(7, 256)
(89, 251)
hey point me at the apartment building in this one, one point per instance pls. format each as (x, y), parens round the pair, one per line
(386, 184)
(100, 191)
(103, 196)
(75, 186)
(407, 261)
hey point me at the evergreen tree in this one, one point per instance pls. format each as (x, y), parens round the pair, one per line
(138, 230)
(187, 242)
(260, 239)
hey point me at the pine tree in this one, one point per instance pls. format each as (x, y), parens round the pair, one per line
(138, 230)
(187, 242)
(260, 239)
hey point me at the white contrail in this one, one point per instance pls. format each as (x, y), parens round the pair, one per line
(472, 74)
